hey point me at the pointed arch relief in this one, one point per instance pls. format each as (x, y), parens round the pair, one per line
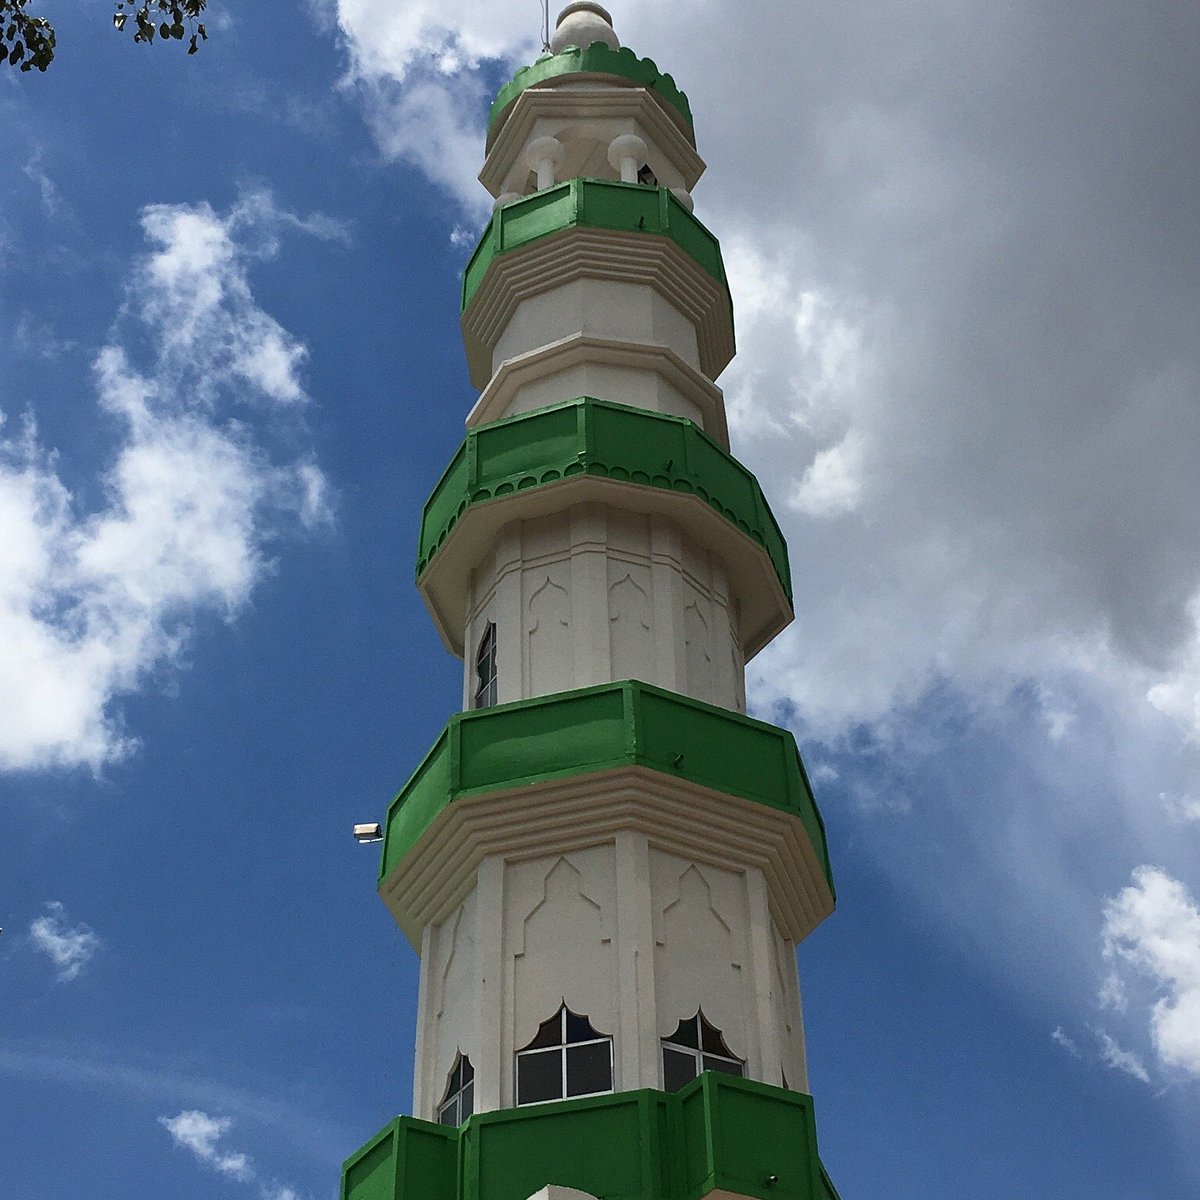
(694, 914)
(563, 895)
(453, 965)
(563, 951)
(698, 953)
(631, 641)
(550, 655)
(697, 650)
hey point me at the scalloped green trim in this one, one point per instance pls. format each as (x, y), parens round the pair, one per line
(605, 440)
(596, 59)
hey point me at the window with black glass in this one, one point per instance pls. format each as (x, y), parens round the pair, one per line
(485, 668)
(459, 1101)
(567, 1057)
(696, 1046)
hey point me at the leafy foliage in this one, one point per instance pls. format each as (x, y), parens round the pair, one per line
(28, 41)
(24, 39)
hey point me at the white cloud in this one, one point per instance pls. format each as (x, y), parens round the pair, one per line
(53, 205)
(1112, 993)
(69, 947)
(1121, 1060)
(1180, 808)
(1152, 932)
(1065, 1041)
(91, 603)
(200, 1133)
(898, 377)
(204, 1136)
(981, 451)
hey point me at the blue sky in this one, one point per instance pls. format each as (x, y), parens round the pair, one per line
(962, 243)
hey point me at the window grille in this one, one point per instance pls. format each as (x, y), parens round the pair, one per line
(485, 669)
(696, 1046)
(459, 1101)
(567, 1057)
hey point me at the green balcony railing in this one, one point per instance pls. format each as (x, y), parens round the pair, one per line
(596, 59)
(600, 728)
(606, 440)
(593, 204)
(719, 1133)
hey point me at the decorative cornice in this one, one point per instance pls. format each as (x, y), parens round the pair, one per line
(596, 229)
(567, 770)
(586, 436)
(584, 349)
(596, 61)
(678, 816)
(765, 610)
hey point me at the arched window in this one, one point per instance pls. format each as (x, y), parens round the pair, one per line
(459, 1102)
(567, 1057)
(485, 668)
(696, 1046)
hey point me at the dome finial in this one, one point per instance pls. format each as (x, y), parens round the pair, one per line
(581, 24)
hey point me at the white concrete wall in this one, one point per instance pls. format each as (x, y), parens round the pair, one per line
(639, 387)
(632, 937)
(606, 308)
(594, 594)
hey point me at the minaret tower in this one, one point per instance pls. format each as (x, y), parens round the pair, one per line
(604, 864)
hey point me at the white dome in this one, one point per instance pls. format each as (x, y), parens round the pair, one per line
(581, 24)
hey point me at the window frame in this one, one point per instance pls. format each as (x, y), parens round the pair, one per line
(486, 690)
(562, 1049)
(452, 1099)
(698, 1053)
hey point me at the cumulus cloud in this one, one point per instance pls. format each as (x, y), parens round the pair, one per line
(1059, 1035)
(1180, 808)
(194, 381)
(1152, 935)
(932, 382)
(1121, 1060)
(201, 1134)
(960, 243)
(69, 947)
(414, 65)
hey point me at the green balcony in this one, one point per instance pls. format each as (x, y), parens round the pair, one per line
(596, 59)
(605, 440)
(594, 204)
(719, 1133)
(597, 729)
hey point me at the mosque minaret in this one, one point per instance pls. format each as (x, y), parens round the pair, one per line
(604, 864)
